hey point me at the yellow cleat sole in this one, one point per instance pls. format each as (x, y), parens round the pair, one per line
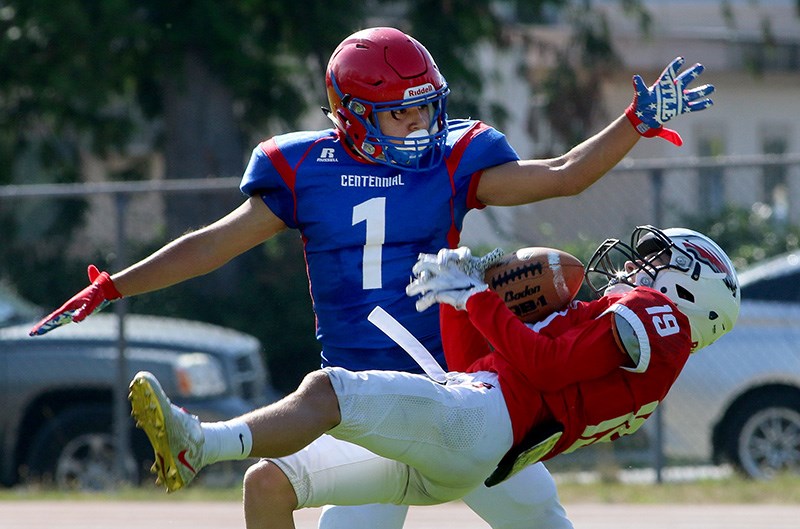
(149, 415)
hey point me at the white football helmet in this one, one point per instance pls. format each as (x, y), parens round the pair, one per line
(686, 266)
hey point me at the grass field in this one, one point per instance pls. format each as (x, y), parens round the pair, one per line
(729, 503)
(731, 490)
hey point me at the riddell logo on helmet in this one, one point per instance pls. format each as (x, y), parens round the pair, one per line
(417, 91)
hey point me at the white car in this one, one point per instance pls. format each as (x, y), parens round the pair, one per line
(738, 401)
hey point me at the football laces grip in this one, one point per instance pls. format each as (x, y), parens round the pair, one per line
(481, 264)
(472, 266)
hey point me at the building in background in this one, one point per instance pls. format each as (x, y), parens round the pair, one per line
(752, 55)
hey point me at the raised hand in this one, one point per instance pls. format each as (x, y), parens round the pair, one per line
(667, 98)
(91, 299)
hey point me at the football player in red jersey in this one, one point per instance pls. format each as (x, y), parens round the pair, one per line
(392, 178)
(520, 393)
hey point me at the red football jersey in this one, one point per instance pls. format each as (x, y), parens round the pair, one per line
(575, 367)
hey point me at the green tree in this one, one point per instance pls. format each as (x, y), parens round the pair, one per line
(197, 80)
(748, 235)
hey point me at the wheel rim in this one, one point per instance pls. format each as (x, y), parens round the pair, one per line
(770, 443)
(88, 463)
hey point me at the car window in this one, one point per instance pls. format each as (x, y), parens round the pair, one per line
(776, 279)
(6, 312)
(14, 309)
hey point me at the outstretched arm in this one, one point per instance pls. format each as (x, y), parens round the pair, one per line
(527, 181)
(583, 352)
(450, 278)
(202, 251)
(586, 351)
(189, 256)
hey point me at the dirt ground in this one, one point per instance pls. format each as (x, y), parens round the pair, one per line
(228, 515)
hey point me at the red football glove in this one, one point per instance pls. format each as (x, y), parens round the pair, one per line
(91, 299)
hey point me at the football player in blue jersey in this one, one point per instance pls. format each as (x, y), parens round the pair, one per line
(393, 178)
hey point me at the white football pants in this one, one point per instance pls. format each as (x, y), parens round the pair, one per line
(527, 500)
(439, 443)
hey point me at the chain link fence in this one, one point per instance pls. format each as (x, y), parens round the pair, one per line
(702, 420)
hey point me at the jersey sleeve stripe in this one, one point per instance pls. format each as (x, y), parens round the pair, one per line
(472, 194)
(452, 161)
(454, 158)
(641, 334)
(287, 174)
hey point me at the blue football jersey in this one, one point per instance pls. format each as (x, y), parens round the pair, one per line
(363, 226)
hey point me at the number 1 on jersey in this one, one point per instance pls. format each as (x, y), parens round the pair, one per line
(373, 213)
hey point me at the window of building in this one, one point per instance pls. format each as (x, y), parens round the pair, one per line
(711, 182)
(774, 184)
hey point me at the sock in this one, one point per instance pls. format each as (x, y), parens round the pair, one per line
(226, 441)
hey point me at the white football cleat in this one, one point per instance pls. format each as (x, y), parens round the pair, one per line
(175, 434)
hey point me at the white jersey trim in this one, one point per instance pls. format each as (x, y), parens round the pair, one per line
(642, 340)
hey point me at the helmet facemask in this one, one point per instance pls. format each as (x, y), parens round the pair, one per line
(420, 150)
(615, 262)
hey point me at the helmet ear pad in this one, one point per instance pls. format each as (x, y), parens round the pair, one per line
(701, 281)
(697, 300)
(355, 132)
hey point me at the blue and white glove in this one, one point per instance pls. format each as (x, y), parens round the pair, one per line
(667, 98)
(450, 277)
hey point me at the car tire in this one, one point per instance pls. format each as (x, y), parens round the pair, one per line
(75, 450)
(764, 436)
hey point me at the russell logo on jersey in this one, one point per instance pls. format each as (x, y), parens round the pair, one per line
(327, 155)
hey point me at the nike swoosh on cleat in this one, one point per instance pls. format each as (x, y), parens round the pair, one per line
(184, 462)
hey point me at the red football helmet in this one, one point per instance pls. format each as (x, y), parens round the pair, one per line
(383, 69)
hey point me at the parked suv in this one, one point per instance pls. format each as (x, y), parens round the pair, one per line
(57, 390)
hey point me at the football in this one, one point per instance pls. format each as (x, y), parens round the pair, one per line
(535, 282)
